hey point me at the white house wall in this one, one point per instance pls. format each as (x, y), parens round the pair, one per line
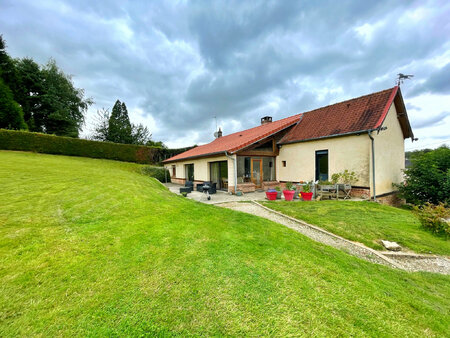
(201, 168)
(345, 152)
(389, 154)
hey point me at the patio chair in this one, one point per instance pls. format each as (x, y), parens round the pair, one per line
(188, 187)
(343, 191)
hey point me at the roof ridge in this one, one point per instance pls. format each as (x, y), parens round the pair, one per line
(261, 125)
(352, 99)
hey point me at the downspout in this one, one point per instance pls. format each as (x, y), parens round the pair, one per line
(373, 164)
(235, 171)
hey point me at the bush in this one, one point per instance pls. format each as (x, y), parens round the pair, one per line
(51, 144)
(346, 177)
(159, 173)
(428, 178)
(434, 218)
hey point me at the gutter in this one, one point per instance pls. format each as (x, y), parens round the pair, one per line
(235, 170)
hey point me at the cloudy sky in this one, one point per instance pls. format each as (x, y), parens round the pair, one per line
(177, 64)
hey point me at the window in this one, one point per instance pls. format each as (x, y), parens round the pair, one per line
(189, 172)
(174, 171)
(284, 163)
(322, 165)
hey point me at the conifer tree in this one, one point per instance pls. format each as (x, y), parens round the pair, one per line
(119, 126)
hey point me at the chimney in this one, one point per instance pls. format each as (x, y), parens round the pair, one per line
(219, 133)
(266, 119)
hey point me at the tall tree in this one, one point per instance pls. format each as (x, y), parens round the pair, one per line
(101, 125)
(11, 115)
(7, 68)
(30, 92)
(140, 134)
(63, 105)
(119, 126)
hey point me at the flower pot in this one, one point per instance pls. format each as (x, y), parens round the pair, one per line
(238, 193)
(278, 195)
(306, 196)
(288, 194)
(271, 195)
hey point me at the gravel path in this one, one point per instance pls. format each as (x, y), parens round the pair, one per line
(409, 262)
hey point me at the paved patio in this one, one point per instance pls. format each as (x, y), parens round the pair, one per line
(219, 197)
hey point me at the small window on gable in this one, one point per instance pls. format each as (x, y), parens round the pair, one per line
(284, 163)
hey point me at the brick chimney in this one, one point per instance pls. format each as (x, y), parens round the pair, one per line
(266, 119)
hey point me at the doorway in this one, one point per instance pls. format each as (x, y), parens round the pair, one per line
(322, 165)
(257, 172)
(219, 174)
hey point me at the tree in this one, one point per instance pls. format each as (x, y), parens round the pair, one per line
(30, 91)
(428, 178)
(11, 115)
(140, 134)
(101, 125)
(7, 67)
(63, 105)
(119, 126)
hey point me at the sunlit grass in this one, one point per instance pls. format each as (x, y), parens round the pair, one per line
(91, 247)
(367, 222)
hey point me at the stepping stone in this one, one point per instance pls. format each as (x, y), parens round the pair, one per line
(392, 246)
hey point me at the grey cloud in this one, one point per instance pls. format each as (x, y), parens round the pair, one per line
(430, 120)
(184, 62)
(438, 82)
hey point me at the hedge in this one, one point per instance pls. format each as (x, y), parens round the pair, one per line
(51, 144)
(161, 174)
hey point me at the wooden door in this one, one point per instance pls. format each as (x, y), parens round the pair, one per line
(257, 172)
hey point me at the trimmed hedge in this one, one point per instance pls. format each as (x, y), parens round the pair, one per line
(159, 173)
(51, 144)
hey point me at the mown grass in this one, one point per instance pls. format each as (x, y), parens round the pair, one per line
(92, 248)
(367, 222)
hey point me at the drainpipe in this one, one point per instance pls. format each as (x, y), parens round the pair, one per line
(369, 132)
(373, 164)
(235, 171)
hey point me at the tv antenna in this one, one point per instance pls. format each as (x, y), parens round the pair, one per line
(402, 77)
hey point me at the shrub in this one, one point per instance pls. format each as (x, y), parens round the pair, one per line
(346, 177)
(428, 178)
(51, 144)
(289, 186)
(434, 218)
(157, 172)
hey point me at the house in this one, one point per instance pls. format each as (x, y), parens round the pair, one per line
(365, 135)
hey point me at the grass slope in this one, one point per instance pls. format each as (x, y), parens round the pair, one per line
(366, 222)
(91, 247)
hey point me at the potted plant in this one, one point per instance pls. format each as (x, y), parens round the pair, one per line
(278, 189)
(288, 192)
(306, 193)
(271, 194)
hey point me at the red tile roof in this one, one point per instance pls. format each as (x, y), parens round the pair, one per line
(236, 141)
(351, 116)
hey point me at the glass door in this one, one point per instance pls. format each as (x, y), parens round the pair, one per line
(256, 170)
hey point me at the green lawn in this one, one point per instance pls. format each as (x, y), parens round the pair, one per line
(93, 248)
(366, 222)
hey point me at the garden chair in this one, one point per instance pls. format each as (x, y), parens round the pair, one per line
(188, 187)
(343, 191)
